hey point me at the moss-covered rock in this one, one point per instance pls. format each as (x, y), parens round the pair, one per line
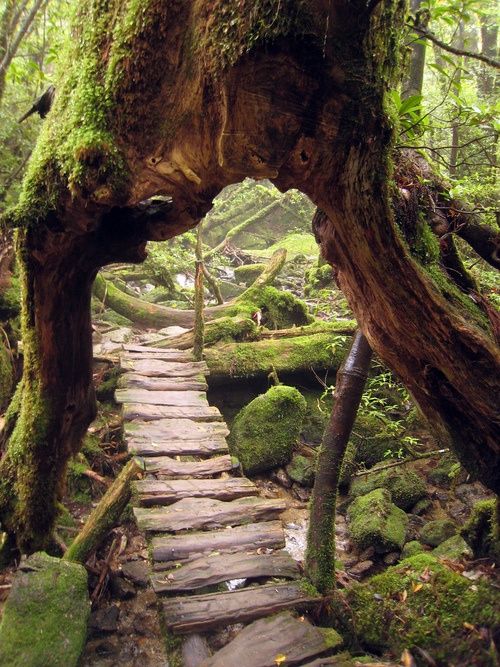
(481, 532)
(453, 548)
(406, 487)
(280, 310)
(247, 273)
(45, 618)
(372, 439)
(301, 469)
(376, 521)
(445, 472)
(436, 532)
(349, 467)
(265, 431)
(317, 278)
(439, 613)
(411, 548)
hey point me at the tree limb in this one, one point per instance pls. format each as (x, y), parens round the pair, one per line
(457, 52)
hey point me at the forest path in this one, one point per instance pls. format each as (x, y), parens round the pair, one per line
(207, 526)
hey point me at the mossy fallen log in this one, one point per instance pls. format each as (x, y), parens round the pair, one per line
(259, 358)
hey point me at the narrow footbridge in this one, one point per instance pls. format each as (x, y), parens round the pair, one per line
(206, 525)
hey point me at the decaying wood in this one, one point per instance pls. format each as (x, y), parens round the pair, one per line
(207, 513)
(205, 612)
(162, 384)
(152, 412)
(194, 650)
(265, 535)
(261, 642)
(176, 398)
(155, 492)
(158, 368)
(104, 516)
(165, 466)
(209, 570)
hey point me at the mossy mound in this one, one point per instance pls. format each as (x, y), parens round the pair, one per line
(372, 439)
(406, 487)
(445, 471)
(480, 531)
(280, 310)
(376, 521)
(265, 431)
(45, 618)
(436, 532)
(440, 613)
(318, 278)
(302, 469)
(247, 273)
(453, 548)
(411, 548)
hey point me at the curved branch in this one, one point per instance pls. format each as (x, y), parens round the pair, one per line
(458, 52)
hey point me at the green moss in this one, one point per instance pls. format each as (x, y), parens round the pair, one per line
(437, 605)
(372, 439)
(265, 431)
(280, 310)
(454, 548)
(376, 521)
(444, 473)
(6, 373)
(406, 487)
(411, 548)
(435, 532)
(481, 531)
(316, 417)
(302, 469)
(45, 618)
(230, 329)
(10, 300)
(349, 467)
(247, 273)
(317, 278)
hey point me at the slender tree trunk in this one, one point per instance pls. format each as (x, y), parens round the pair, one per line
(6, 21)
(351, 379)
(455, 129)
(415, 79)
(199, 301)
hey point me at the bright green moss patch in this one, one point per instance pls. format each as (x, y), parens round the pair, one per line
(372, 439)
(454, 548)
(481, 531)
(6, 374)
(438, 602)
(406, 487)
(411, 548)
(301, 469)
(280, 310)
(45, 618)
(265, 431)
(435, 532)
(376, 521)
(247, 273)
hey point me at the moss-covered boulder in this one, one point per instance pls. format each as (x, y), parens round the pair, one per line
(265, 431)
(406, 487)
(301, 469)
(436, 532)
(375, 521)
(453, 548)
(247, 273)
(411, 548)
(280, 310)
(481, 531)
(45, 617)
(372, 439)
(445, 472)
(440, 613)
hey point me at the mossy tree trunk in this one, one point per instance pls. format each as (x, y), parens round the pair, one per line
(351, 379)
(182, 99)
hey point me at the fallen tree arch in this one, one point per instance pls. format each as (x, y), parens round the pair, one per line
(176, 100)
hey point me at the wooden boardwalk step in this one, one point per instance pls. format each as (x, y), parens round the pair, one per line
(262, 642)
(156, 492)
(205, 612)
(167, 355)
(162, 384)
(152, 412)
(150, 349)
(167, 467)
(206, 513)
(178, 398)
(265, 535)
(159, 368)
(145, 447)
(210, 570)
(175, 429)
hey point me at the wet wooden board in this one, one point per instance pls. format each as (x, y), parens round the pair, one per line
(204, 448)
(130, 347)
(156, 492)
(261, 642)
(210, 570)
(195, 383)
(204, 612)
(167, 355)
(146, 412)
(158, 368)
(178, 398)
(175, 429)
(266, 535)
(207, 513)
(167, 467)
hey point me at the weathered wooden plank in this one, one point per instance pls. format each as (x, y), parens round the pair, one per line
(195, 383)
(204, 612)
(175, 429)
(194, 650)
(159, 368)
(164, 492)
(146, 412)
(265, 535)
(177, 356)
(178, 398)
(145, 447)
(210, 570)
(131, 347)
(206, 513)
(261, 642)
(167, 467)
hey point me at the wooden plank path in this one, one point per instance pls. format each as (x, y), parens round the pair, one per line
(208, 526)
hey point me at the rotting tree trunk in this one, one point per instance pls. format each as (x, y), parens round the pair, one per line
(178, 100)
(351, 379)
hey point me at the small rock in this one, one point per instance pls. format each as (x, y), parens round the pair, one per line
(136, 571)
(361, 568)
(392, 558)
(105, 619)
(121, 588)
(281, 477)
(301, 493)
(367, 553)
(107, 647)
(435, 532)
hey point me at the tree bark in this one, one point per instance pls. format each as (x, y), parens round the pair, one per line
(351, 379)
(199, 302)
